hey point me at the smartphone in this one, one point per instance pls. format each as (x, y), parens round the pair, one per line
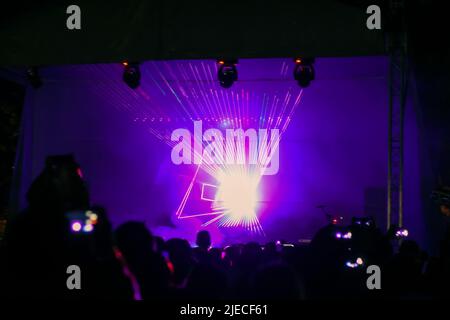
(82, 221)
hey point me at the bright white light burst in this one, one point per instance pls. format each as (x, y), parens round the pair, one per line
(237, 196)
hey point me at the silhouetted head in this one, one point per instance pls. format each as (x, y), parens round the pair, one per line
(180, 254)
(270, 252)
(231, 255)
(203, 240)
(251, 249)
(251, 255)
(179, 250)
(270, 247)
(409, 248)
(59, 187)
(133, 238)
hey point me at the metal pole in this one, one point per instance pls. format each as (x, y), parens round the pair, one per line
(397, 49)
(389, 178)
(402, 110)
(403, 87)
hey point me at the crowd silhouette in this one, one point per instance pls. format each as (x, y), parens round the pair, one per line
(130, 263)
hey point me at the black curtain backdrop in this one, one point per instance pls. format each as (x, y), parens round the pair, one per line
(429, 62)
(35, 33)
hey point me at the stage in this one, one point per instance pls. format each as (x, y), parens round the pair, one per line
(329, 151)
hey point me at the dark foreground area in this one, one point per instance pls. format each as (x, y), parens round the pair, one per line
(61, 247)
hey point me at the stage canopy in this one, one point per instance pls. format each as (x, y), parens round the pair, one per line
(332, 147)
(35, 33)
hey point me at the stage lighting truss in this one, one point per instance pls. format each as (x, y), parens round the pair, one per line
(227, 73)
(304, 71)
(131, 74)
